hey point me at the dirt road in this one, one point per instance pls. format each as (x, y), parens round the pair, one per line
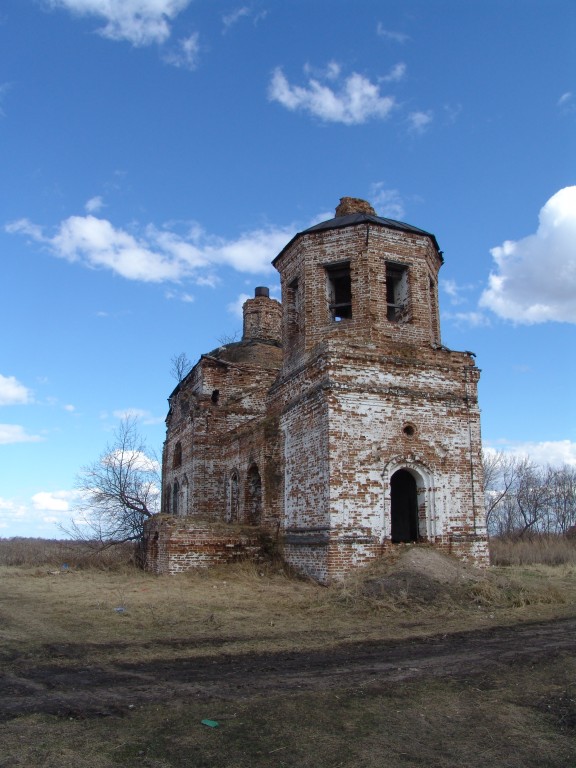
(71, 687)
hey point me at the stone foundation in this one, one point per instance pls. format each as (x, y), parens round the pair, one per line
(174, 545)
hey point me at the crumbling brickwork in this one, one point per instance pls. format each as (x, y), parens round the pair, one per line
(339, 424)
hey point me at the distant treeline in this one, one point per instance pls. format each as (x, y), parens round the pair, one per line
(64, 554)
(524, 498)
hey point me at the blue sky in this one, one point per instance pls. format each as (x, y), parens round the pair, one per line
(155, 155)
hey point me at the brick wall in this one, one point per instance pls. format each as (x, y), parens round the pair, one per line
(308, 438)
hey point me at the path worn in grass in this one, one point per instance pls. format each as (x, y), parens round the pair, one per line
(69, 688)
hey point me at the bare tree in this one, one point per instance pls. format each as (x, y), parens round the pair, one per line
(522, 497)
(533, 496)
(499, 470)
(118, 492)
(562, 482)
(180, 366)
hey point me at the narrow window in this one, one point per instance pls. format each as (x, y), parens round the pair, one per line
(177, 456)
(293, 296)
(175, 494)
(396, 292)
(339, 291)
(215, 396)
(233, 514)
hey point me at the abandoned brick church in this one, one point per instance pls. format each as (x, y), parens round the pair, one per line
(339, 425)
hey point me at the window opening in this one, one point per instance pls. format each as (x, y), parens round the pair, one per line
(177, 456)
(254, 496)
(396, 291)
(234, 498)
(404, 507)
(215, 396)
(293, 296)
(339, 291)
(175, 494)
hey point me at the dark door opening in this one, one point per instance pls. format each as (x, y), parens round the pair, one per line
(254, 496)
(404, 503)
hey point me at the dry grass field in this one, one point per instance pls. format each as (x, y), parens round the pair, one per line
(415, 661)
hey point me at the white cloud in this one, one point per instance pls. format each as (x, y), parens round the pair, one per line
(396, 73)
(397, 37)
(535, 278)
(138, 413)
(455, 291)
(553, 452)
(231, 19)
(157, 255)
(136, 459)
(187, 298)
(69, 408)
(354, 102)
(140, 22)
(94, 204)
(12, 392)
(14, 433)
(567, 101)
(185, 54)
(37, 516)
(473, 319)
(419, 121)
(4, 88)
(235, 307)
(243, 12)
(53, 501)
(10, 511)
(388, 202)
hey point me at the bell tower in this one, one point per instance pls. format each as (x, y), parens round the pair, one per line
(380, 422)
(359, 279)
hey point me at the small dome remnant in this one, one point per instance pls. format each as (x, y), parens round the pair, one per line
(349, 205)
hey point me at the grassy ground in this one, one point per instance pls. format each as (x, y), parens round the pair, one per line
(76, 622)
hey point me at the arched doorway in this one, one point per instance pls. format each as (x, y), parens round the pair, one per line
(253, 496)
(404, 507)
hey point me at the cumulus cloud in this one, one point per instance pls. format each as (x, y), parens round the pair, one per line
(12, 392)
(53, 501)
(352, 101)
(534, 280)
(14, 433)
(138, 460)
(10, 511)
(553, 452)
(157, 255)
(140, 22)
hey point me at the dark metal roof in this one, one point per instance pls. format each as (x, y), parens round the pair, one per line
(361, 218)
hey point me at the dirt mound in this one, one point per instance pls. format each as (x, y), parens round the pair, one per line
(415, 574)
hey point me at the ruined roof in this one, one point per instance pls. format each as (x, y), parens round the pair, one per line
(261, 353)
(352, 211)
